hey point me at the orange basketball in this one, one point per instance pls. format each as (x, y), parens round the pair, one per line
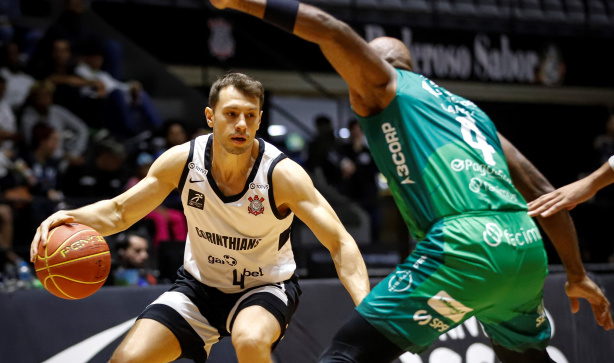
(75, 262)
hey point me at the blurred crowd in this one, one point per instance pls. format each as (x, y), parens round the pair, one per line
(71, 133)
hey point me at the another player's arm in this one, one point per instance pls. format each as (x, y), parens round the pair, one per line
(114, 215)
(371, 80)
(568, 196)
(295, 190)
(561, 230)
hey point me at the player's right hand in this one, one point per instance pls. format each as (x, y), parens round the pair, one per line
(587, 289)
(566, 197)
(42, 231)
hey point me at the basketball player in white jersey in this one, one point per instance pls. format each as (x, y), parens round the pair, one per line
(239, 195)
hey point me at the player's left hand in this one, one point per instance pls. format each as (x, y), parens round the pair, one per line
(587, 289)
(42, 232)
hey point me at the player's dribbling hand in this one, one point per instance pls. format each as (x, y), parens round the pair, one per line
(587, 289)
(42, 231)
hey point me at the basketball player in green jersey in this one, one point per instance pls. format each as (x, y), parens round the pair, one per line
(479, 253)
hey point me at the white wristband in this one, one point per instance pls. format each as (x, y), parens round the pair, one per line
(611, 161)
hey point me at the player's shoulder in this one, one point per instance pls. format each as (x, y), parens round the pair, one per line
(178, 151)
(173, 160)
(291, 182)
(170, 165)
(288, 174)
(287, 167)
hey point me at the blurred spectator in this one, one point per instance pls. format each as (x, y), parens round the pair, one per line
(129, 109)
(71, 25)
(131, 265)
(604, 147)
(176, 133)
(18, 82)
(322, 152)
(8, 125)
(9, 178)
(102, 177)
(359, 174)
(201, 130)
(173, 133)
(72, 131)
(58, 66)
(169, 222)
(604, 143)
(45, 168)
(6, 235)
(7, 32)
(143, 163)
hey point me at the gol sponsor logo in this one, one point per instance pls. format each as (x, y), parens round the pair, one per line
(227, 260)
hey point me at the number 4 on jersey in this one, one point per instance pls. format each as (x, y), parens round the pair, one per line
(479, 142)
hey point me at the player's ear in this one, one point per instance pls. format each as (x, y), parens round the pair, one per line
(209, 116)
(259, 120)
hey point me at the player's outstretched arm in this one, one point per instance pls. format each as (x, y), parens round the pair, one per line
(114, 215)
(570, 195)
(561, 230)
(295, 190)
(371, 80)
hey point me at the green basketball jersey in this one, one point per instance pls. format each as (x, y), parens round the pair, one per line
(440, 154)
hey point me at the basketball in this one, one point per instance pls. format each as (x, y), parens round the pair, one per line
(75, 262)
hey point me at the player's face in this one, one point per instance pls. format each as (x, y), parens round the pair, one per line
(235, 120)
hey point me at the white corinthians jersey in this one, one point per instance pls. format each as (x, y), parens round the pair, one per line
(239, 241)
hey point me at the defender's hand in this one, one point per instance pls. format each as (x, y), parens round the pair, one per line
(566, 197)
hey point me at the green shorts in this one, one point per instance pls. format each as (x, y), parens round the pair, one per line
(489, 265)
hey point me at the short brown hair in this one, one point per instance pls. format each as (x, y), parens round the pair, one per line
(244, 83)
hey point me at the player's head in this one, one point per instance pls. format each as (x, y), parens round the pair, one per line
(247, 85)
(393, 51)
(235, 111)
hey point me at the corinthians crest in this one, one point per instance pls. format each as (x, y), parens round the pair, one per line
(255, 205)
(221, 41)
